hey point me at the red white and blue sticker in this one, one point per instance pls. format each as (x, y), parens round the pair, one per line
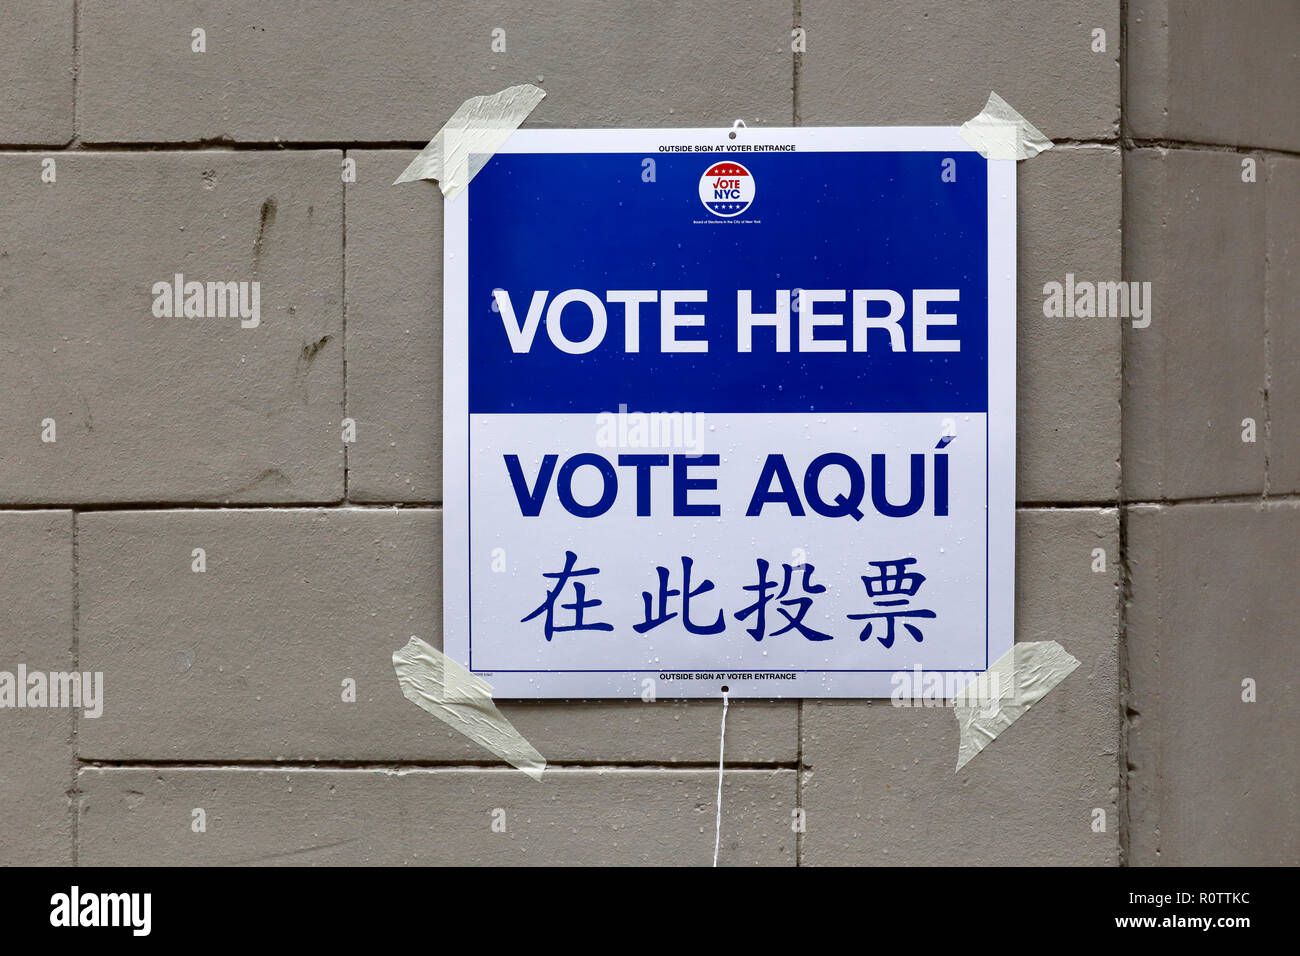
(726, 189)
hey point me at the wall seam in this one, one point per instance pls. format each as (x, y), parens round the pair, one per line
(76, 76)
(342, 506)
(798, 785)
(271, 146)
(1268, 336)
(701, 766)
(74, 794)
(1123, 836)
(343, 312)
(796, 64)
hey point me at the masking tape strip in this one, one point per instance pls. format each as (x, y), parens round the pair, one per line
(434, 682)
(1023, 676)
(467, 141)
(999, 132)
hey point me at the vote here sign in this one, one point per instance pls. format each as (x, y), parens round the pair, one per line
(730, 413)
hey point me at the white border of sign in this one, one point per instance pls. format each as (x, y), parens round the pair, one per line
(1001, 405)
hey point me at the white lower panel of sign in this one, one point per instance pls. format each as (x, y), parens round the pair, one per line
(927, 573)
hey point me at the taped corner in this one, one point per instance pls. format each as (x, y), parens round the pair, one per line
(469, 139)
(999, 132)
(1021, 678)
(434, 682)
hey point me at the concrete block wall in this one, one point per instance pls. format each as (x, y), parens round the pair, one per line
(222, 688)
(1211, 425)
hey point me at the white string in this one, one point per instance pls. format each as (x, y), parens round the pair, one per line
(722, 746)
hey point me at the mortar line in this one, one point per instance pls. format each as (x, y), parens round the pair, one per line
(1253, 498)
(798, 787)
(1123, 824)
(78, 145)
(1095, 142)
(702, 766)
(1125, 693)
(1268, 344)
(343, 306)
(1245, 498)
(796, 64)
(76, 76)
(212, 146)
(331, 505)
(74, 793)
(1240, 149)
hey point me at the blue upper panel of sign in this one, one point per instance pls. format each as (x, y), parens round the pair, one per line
(862, 224)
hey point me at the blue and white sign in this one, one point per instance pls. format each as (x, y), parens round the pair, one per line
(730, 413)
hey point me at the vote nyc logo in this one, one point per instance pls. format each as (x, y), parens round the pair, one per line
(726, 189)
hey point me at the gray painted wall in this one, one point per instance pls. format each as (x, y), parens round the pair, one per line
(223, 688)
